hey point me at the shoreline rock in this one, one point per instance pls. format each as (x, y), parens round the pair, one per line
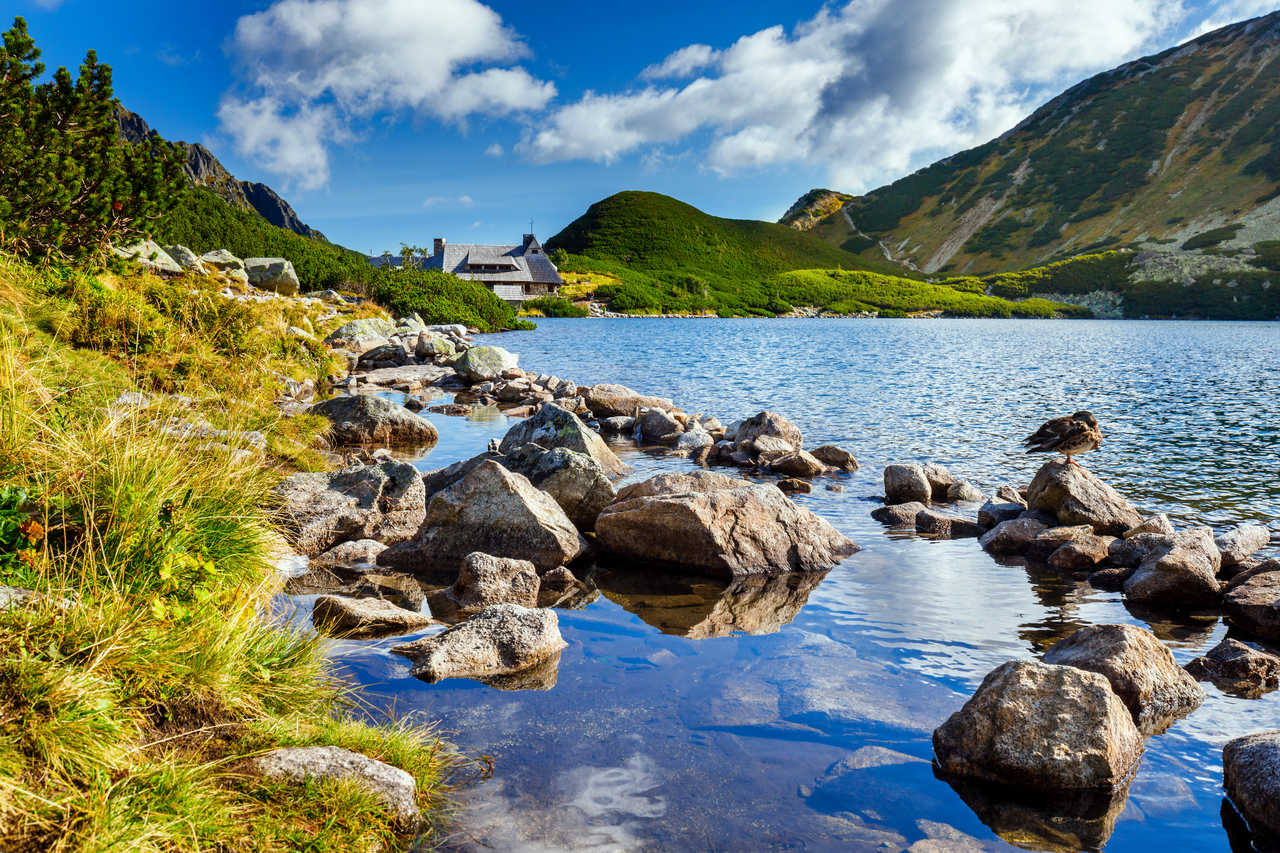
(499, 640)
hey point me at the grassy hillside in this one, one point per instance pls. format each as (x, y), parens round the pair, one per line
(1153, 154)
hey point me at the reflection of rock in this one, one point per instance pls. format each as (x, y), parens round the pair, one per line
(699, 608)
(1062, 823)
(364, 617)
(541, 676)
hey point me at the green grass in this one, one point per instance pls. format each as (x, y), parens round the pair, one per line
(135, 688)
(552, 306)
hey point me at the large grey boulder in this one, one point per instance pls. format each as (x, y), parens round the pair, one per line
(484, 364)
(385, 502)
(222, 261)
(499, 640)
(680, 482)
(1251, 775)
(349, 335)
(906, 484)
(368, 419)
(771, 424)
(608, 400)
(552, 427)
(494, 511)
(1241, 542)
(1181, 572)
(575, 480)
(275, 274)
(150, 255)
(752, 530)
(484, 581)
(187, 259)
(1254, 605)
(1140, 668)
(1013, 536)
(1238, 669)
(1076, 496)
(364, 617)
(1043, 727)
(393, 787)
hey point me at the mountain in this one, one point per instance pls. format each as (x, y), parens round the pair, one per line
(204, 170)
(1173, 154)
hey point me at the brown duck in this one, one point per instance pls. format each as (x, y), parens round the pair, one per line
(1070, 436)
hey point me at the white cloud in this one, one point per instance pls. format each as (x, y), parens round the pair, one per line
(494, 150)
(1230, 11)
(354, 59)
(442, 200)
(289, 142)
(869, 89)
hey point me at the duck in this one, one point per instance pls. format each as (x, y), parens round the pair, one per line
(1070, 435)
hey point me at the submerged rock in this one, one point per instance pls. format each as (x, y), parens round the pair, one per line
(364, 617)
(1076, 496)
(899, 515)
(1239, 669)
(727, 533)
(499, 640)
(906, 484)
(393, 787)
(1042, 727)
(1140, 668)
(1182, 571)
(1251, 775)
(484, 580)
(366, 419)
(383, 502)
(552, 427)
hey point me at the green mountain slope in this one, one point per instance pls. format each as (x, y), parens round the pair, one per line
(1160, 154)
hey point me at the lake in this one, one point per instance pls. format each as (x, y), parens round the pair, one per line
(688, 714)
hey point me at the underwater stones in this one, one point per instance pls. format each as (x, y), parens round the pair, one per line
(1180, 572)
(1251, 775)
(1077, 496)
(499, 640)
(552, 427)
(364, 617)
(906, 484)
(1236, 668)
(366, 419)
(1043, 727)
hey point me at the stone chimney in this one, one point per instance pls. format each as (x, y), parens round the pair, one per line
(438, 247)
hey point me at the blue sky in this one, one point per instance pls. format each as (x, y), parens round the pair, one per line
(384, 121)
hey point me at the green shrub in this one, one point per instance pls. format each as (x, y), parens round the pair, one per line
(1211, 238)
(554, 306)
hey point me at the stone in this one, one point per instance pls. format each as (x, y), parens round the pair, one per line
(1181, 573)
(693, 440)
(558, 587)
(1053, 538)
(499, 640)
(656, 425)
(1076, 496)
(905, 484)
(393, 787)
(364, 617)
(836, 457)
(771, 424)
(1251, 775)
(367, 419)
(481, 364)
(609, 400)
(150, 255)
(1082, 554)
(1132, 550)
(552, 427)
(992, 513)
(1237, 668)
(1155, 524)
(384, 502)
(1111, 577)
(410, 375)
(767, 444)
(964, 492)
(800, 464)
(484, 580)
(1139, 667)
(726, 533)
(1254, 606)
(362, 329)
(793, 486)
(274, 274)
(940, 480)
(186, 259)
(899, 515)
(222, 261)
(576, 482)
(943, 526)
(356, 553)
(1043, 727)
(496, 512)
(622, 424)
(680, 482)
(1242, 542)
(387, 355)
(1011, 537)
(1011, 495)
(430, 346)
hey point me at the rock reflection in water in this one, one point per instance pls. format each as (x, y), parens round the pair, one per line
(700, 608)
(542, 676)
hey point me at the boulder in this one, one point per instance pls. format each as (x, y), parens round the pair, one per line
(494, 511)
(552, 427)
(1044, 727)
(1140, 668)
(1011, 495)
(1011, 537)
(482, 364)
(836, 457)
(364, 329)
(1049, 540)
(1242, 542)
(622, 424)
(899, 515)
(499, 640)
(222, 261)
(484, 581)
(1155, 524)
(560, 587)
(275, 274)
(943, 526)
(1081, 554)
(940, 480)
(1180, 573)
(992, 513)
(429, 346)
(364, 617)
(752, 530)
(1251, 775)
(1132, 550)
(656, 425)
(384, 502)
(771, 424)
(767, 444)
(799, 464)
(680, 482)
(1076, 496)
(392, 787)
(150, 255)
(693, 440)
(792, 486)
(905, 484)
(576, 482)
(357, 553)
(186, 259)
(1236, 668)
(1254, 605)
(608, 401)
(964, 492)
(368, 419)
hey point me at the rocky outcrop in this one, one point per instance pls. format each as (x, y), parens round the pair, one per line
(274, 274)
(1042, 727)
(499, 640)
(1076, 496)
(1241, 542)
(552, 427)
(496, 512)
(608, 400)
(392, 787)
(364, 617)
(1251, 775)
(726, 533)
(383, 502)
(1239, 669)
(906, 484)
(366, 419)
(1181, 570)
(1139, 667)
(1254, 605)
(484, 580)
(484, 364)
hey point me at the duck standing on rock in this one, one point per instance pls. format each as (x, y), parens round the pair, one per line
(1070, 436)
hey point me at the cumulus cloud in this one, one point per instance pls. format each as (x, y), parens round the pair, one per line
(868, 89)
(348, 60)
(1230, 11)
